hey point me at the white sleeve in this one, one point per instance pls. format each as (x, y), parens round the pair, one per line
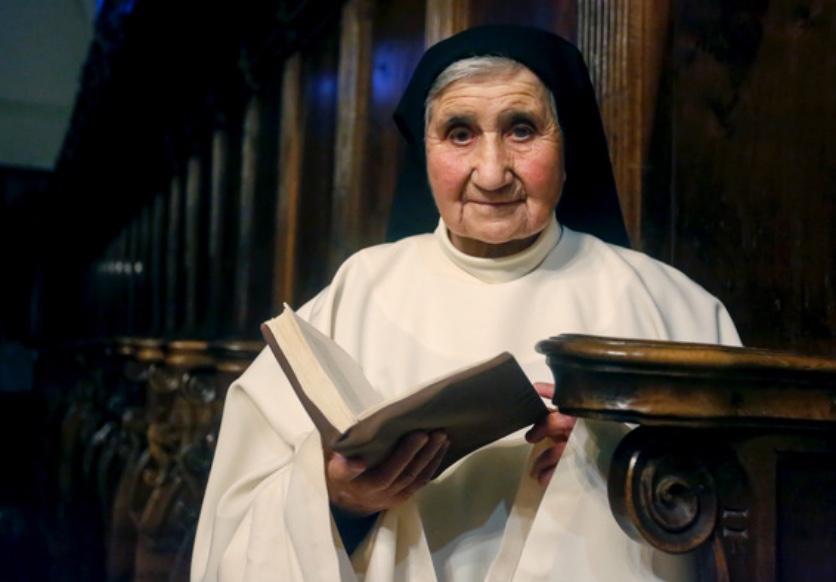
(265, 508)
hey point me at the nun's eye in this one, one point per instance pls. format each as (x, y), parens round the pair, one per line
(460, 134)
(522, 131)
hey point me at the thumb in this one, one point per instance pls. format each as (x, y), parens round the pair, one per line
(342, 469)
(544, 389)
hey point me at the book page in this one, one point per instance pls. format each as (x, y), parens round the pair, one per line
(345, 373)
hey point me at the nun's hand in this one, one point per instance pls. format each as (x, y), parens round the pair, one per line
(555, 427)
(356, 489)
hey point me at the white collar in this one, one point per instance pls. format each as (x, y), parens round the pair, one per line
(503, 269)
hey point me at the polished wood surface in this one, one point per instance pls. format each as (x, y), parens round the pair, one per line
(738, 188)
(445, 18)
(256, 211)
(702, 384)
(396, 47)
(734, 455)
(347, 234)
(321, 100)
(220, 233)
(173, 244)
(154, 325)
(291, 146)
(623, 42)
(194, 244)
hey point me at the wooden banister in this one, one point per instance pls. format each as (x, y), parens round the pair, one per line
(734, 457)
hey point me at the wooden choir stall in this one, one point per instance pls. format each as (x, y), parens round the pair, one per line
(734, 455)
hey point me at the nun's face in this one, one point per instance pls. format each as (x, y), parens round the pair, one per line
(495, 162)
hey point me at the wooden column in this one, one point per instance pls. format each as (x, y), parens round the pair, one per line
(623, 43)
(220, 235)
(97, 295)
(126, 264)
(110, 288)
(560, 16)
(173, 258)
(193, 244)
(445, 18)
(397, 46)
(252, 295)
(307, 167)
(350, 192)
(142, 272)
(156, 266)
(291, 147)
(219, 180)
(246, 203)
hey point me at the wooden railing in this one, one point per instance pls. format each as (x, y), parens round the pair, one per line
(141, 455)
(734, 458)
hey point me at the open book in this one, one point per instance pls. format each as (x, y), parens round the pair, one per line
(475, 405)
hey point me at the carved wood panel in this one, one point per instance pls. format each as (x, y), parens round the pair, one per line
(742, 195)
(623, 45)
(173, 258)
(221, 231)
(321, 100)
(255, 209)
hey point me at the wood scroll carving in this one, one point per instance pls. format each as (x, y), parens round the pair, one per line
(734, 459)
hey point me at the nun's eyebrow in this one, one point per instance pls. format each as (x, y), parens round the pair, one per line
(456, 120)
(519, 116)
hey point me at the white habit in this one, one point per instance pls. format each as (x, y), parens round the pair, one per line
(408, 312)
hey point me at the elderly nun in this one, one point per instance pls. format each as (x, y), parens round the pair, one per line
(528, 243)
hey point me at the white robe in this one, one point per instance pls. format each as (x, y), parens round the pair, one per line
(410, 311)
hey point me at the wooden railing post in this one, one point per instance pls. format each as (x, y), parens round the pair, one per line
(174, 418)
(142, 356)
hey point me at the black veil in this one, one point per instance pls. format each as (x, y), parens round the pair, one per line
(589, 202)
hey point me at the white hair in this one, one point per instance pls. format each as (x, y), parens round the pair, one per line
(476, 67)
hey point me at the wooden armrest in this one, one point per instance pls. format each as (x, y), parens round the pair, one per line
(690, 384)
(737, 458)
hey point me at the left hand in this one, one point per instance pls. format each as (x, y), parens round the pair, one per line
(554, 426)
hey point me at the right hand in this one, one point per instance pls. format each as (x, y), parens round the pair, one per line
(554, 426)
(354, 488)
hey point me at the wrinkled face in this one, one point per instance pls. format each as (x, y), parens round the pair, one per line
(494, 161)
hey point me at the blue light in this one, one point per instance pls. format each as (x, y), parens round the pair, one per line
(115, 6)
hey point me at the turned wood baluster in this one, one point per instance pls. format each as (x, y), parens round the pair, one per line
(80, 506)
(107, 451)
(131, 493)
(205, 393)
(170, 511)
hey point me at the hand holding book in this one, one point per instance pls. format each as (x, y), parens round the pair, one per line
(556, 428)
(473, 406)
(359, 490)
